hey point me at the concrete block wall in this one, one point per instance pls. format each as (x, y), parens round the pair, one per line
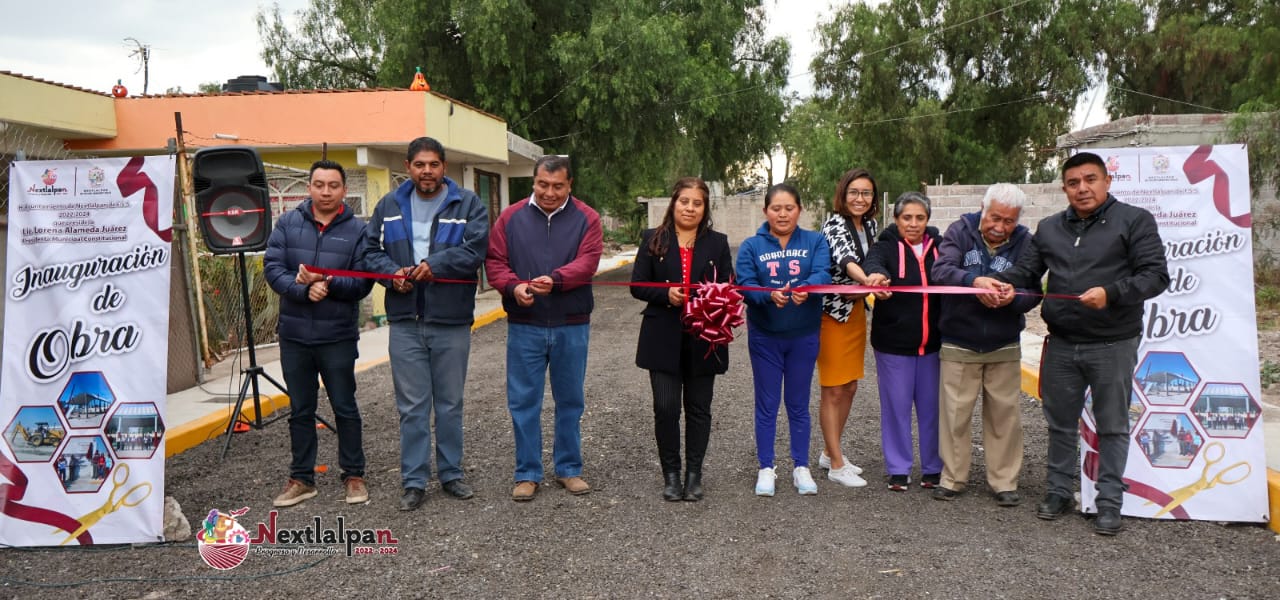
(737, 216)
(950, 201)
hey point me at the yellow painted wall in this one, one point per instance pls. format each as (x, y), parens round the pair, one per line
(379, 183)
(466, 130)
(72, 113)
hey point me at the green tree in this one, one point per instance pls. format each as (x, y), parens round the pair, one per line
(636, 92)
(337, 44)
(965, 90)
(1190, 56)
(1185, 56)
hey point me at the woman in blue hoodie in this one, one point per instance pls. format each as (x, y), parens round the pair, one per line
(782, 328)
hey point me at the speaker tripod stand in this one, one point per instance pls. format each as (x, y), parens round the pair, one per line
(250, 374)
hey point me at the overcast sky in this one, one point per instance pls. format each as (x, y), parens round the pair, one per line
(82, 42)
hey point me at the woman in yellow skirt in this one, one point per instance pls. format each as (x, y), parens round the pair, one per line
(850, 231)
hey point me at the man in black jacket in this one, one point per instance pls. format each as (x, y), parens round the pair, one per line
(1108, 254)
(318, 327)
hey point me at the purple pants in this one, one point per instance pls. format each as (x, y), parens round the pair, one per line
(782, 370)
(906, 381)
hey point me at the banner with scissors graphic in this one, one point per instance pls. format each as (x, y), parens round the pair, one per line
(1196, 449)
(86, 333)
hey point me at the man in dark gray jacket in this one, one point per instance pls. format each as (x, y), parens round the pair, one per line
(1109, 255)
(318, 327)
(426, 230)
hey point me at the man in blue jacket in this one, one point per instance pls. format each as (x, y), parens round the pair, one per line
(318, 327)
(429, 228)
(981, 346)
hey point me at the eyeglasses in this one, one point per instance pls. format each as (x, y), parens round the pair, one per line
(866, 194)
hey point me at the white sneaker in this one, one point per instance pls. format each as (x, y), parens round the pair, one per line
(804, 481)
(764, 482)
(824, 461)
(846, 476)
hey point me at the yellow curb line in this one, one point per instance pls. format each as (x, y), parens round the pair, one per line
(1273, 494)
(191, 434)
(1031, 385)
(1031, 381)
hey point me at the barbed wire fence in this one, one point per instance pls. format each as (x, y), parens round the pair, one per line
(21, 143)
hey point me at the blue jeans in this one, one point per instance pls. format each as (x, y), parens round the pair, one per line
(429, 370)
(530, 351)
(335, 364)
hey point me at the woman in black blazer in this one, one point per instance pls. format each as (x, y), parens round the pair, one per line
(682, 368)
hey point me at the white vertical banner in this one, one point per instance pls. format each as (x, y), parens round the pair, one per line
(86, 337)
(1196, 449)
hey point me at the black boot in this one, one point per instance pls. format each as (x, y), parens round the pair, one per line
(672, 491)
(693, 486)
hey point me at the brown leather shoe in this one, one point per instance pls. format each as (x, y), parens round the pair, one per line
(525, 491)
(357, 493)
(574, 485)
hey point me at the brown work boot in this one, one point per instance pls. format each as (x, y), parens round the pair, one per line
(294, 493)
(574, 485)
(525, 491)
(357, 493)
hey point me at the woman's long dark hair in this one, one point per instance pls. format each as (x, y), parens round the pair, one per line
(661, 239)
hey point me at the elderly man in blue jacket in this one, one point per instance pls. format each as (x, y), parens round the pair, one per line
(318, 327)
(1111, 255)
(429, 228)
(981, 346)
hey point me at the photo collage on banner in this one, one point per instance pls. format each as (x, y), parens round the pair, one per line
(86, 335)
(1196, 448)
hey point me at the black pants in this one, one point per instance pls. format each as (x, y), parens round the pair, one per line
(1106, 369)
(335, 364)
(670, 393)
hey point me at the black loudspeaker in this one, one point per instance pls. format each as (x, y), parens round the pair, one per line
(232, 200)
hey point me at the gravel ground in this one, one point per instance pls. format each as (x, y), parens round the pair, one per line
(623, 540)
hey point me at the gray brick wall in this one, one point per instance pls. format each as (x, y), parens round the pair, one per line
(737, 216)
(951, 201)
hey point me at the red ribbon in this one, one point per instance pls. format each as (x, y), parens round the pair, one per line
(813, 289)
(1199, 168)
(713, 312)
(370, 275)
(130, 180)
(11, 493)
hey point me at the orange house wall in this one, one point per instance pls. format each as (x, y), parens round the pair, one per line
(263, 120)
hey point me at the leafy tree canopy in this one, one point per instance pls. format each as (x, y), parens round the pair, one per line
(637, 92)
(964, 90)
(1186, 56)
